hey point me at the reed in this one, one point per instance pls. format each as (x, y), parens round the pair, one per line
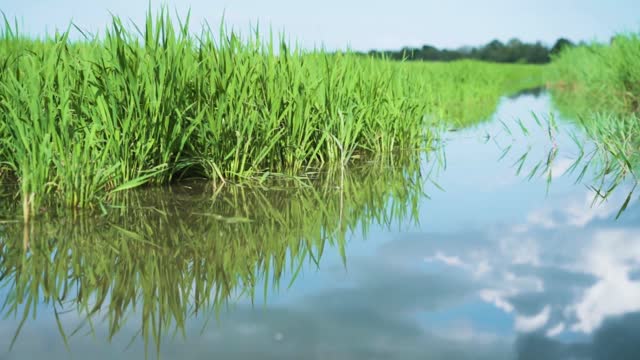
(81, 121)
(599, 86)
(599, 77)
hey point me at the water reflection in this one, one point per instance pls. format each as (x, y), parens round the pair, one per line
(535, 92)
(498, 265)
(171, 255)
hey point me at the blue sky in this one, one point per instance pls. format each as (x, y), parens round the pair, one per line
(362, 25)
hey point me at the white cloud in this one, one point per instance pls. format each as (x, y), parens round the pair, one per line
(577, 211)
(523, 251)
(533, 323)
(580, 212)
(541, 217)
(611, 257)
(559, 167)
(448, 260)
(482, 268)
(556, 330)
(497, 299)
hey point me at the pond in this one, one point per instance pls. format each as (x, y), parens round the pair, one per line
(468, 254)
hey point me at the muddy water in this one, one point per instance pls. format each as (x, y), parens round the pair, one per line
(465, 255)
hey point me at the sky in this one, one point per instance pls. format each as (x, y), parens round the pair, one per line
(360, 25)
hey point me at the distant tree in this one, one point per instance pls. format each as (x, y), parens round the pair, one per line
(494, 45)
(465, 50)
(493, 51)
(513, 51)
(560, 45)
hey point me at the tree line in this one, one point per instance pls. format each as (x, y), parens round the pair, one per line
(513, 51)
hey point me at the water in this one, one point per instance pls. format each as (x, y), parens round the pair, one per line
(377, 263)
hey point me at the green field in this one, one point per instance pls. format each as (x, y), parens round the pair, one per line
(82, 120)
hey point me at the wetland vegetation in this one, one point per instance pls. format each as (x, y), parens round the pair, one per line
(598, 85)
(82, 120)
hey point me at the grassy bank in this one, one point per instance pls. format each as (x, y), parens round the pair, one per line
(600, 77)
(82, 120)
(599, 85)
(466, 92)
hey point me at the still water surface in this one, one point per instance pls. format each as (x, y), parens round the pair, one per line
(458, 257)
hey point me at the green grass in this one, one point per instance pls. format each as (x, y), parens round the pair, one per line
(80, 121)
(466, 92)
(600, 77)
(599, 86)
